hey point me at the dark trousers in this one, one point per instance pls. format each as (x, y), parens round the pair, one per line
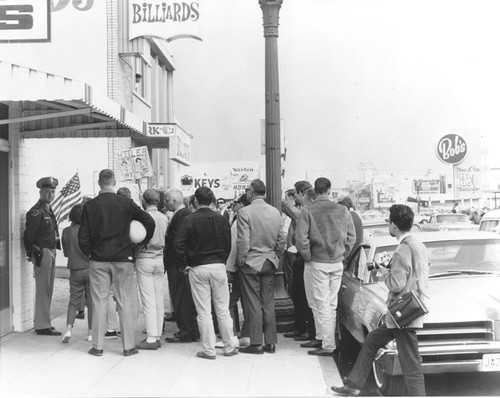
(79, 290)
(235, 295)
(44, 282)
(303, 316)
(258, 302)
(409, 358)
(182, 302)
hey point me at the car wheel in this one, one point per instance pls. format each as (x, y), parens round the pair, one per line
(387, 384)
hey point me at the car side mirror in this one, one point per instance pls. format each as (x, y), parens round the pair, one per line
(363, 272)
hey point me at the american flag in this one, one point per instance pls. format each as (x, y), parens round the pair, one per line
(70, 195)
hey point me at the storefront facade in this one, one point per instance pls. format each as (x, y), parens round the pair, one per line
(73, 72)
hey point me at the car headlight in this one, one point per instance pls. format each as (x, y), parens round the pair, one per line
(496, 330)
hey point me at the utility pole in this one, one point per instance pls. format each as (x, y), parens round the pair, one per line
(270, 16)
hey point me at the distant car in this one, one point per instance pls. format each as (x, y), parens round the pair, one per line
(448, 222)
(372, 214)
(490, 222)
(379, 227)
(461, 333)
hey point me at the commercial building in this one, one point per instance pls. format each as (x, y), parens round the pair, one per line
(71, 69)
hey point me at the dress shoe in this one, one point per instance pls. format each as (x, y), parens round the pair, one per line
(201, 354)
(47, 332)
(177, 339)
(231, 353)
(306, 336)
(169, 317)
(270, 348)
(95, 352)
(292, 334)
(111, 334)
(312, 344)
(144, 345)
(321, 352)
(130, 352)
(252, 349)
(344, 391)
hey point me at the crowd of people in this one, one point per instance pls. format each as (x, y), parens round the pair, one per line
(214, 259)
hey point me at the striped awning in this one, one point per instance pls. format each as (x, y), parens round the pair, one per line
(56, 106)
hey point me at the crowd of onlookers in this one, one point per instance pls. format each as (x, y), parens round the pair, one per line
(215, 258)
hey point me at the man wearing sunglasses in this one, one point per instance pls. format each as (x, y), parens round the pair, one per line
(222, 208)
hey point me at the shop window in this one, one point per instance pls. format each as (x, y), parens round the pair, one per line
(142, 77)
(4, 128)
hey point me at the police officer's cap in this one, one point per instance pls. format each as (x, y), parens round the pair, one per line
(47, 182)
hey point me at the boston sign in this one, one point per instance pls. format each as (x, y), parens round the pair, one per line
(451, 149)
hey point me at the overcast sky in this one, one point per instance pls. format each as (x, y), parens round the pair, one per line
(360, 81)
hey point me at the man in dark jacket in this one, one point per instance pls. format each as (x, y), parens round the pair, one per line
(104, 236)
(178, 282)
(204, 240)
(41, 239)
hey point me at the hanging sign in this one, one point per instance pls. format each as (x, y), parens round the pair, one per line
(24, 21)
(168, 20)
(180, 148)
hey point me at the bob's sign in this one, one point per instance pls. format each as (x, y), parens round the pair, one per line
(451, 149)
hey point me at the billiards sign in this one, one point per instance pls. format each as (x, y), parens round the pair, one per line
(24, 21)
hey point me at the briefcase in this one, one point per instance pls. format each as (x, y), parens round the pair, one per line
(406, 309)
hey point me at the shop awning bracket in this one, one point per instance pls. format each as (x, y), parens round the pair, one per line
(85, 111)
(44, 132)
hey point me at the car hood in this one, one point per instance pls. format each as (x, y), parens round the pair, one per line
(463, 298)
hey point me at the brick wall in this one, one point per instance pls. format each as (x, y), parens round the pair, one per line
(23, 286)
(120, 80)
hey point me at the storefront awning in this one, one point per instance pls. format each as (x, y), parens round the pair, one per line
(56, 106)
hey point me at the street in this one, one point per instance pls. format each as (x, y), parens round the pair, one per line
(452, 384)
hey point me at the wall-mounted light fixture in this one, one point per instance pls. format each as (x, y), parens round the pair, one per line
(138, 78)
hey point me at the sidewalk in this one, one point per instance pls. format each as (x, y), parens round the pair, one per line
(41, 366)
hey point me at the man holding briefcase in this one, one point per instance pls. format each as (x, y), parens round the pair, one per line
(407, 271)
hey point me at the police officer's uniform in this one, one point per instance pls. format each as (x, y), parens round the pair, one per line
(41, 239)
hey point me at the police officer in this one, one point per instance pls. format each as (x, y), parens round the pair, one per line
(41, 239)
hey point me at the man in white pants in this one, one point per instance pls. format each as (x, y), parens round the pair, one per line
(204, 241)
(149, 264)
(325, 236)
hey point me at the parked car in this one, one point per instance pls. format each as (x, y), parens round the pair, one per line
(461, 333)
(379, 227)
(490, 222)
(448, 222)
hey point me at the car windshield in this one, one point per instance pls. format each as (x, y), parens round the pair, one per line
(482, 255)
(451, 218)
(382, 229)
(489, 226)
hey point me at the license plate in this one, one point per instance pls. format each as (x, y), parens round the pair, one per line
(491, 362)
